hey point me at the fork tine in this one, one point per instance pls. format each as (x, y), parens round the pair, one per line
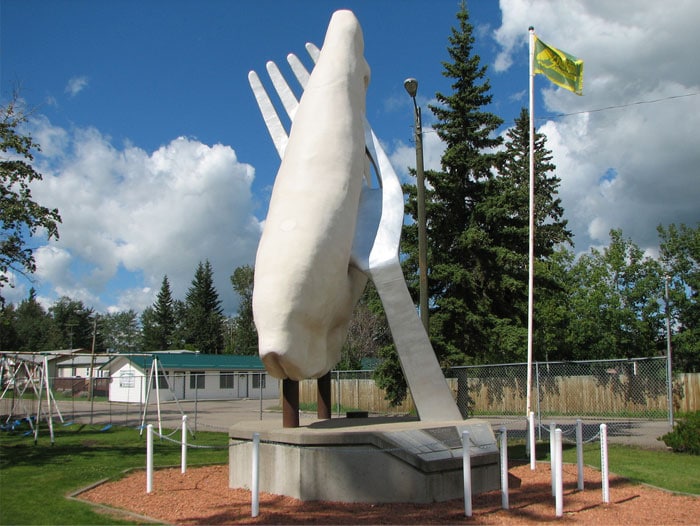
(313, 51)
(272, 120)
(300, 71)
(289, 100)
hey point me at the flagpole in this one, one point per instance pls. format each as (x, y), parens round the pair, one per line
(531, 251)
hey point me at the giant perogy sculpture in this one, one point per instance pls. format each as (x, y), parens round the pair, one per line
(328, 229)
(305, 288)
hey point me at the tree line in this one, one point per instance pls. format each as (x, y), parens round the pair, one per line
(195, 323)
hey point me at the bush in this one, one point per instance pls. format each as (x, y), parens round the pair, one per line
(685, 437)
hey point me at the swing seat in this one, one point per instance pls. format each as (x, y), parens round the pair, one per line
(27, 433)
(106, 428)
(66, 424)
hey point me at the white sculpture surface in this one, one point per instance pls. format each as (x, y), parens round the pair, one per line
(326, 231)
(305, 288)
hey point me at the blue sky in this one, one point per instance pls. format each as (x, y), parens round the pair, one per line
(155, 153)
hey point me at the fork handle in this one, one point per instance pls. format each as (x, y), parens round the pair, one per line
(429, 389)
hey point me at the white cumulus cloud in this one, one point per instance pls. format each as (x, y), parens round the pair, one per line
(130, 217)
(635, 166)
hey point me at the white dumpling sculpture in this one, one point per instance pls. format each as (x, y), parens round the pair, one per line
(305, 287)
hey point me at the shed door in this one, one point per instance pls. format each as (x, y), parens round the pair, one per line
(243, 385)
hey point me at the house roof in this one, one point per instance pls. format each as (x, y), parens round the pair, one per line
(198, 361)
(81, 360)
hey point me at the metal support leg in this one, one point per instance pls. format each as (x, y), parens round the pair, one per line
(324, 397)
(290, 403)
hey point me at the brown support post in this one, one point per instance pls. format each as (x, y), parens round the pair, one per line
(290, 403)
(324, 397)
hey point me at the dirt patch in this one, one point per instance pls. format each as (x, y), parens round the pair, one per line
(202, 496)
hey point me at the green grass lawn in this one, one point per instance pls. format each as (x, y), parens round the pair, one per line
(663, 469)
(34, 480)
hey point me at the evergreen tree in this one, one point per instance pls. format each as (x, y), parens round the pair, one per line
(205, 327)
(159, 322)
(463, 265)
(244, 335)
(508, 209)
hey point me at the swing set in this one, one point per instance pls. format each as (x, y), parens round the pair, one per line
(34, 374)
(25, 374)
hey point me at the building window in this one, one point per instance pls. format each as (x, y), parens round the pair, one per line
(162, 380)
(196, 379)
(226, 380)
(259, 380)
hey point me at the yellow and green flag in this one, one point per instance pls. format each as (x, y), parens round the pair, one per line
(561, 68)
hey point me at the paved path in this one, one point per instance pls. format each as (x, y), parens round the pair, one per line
(219, 415)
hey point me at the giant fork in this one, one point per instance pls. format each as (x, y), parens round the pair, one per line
(375, 248)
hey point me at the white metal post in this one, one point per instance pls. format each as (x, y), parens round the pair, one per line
(48, 398)
(531, 229)
(579, 453)
(157, 384)
(533, 446)
(604, 462)
(552, 429)
(559, 489)
(183, 466)
(504, 469)
(255, 485)
(467, 474)
(149, 458)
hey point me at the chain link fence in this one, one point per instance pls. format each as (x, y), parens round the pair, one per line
(636, 388)
(622, 391)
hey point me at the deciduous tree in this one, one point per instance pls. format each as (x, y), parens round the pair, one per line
(20, 214)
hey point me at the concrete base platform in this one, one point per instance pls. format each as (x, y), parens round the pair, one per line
(365, 459)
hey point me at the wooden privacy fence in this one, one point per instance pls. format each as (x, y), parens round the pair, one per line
(612, 391)
(686, 392)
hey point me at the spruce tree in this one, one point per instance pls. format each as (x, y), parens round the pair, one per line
(205, 322)
(159, 321)
(245, 335)
(509, 211)
(462, 264)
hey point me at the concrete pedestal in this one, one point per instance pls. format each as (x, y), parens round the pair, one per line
(365, 459)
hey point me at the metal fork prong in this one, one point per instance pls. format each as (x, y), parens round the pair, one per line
(300, 71)
(313, 51)
(289, 100)
(272, 120)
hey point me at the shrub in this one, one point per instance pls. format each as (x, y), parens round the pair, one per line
(685, 437)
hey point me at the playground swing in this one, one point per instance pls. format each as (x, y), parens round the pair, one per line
(153, 377)
(34, 375)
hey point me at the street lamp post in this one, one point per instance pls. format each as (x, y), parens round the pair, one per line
(411, 86)
(669, 374)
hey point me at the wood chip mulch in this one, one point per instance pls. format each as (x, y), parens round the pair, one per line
(202, 496)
